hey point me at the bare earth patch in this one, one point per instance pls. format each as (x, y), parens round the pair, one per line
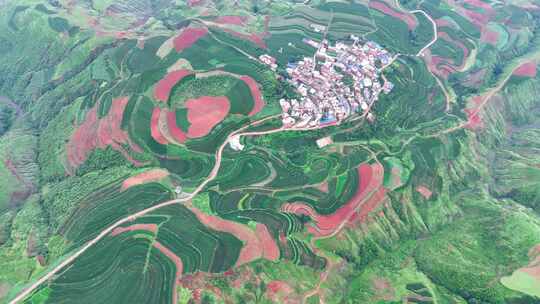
(145, 177)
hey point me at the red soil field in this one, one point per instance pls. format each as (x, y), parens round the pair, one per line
(258, 244)
(193, 3)
(145, 177)
(527, 69)
(176, 260)
(480, 4)
(154, 127)
(234, 20)
(489, 36)
(410, 20)
(188, 37)
(460, 44)
(163, 88)
(424, 191)
(204, 113)
(256, 93)
(474, 121)
(255, 38)
(443, 22)
(276, 291)
(99, 133)
(323, 187)
(146, 227)
(371, 178)
(174, 130)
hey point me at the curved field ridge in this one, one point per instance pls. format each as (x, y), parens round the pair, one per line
(527, 69)
(177, 262)
(188, 37)
(204, 113)
(154, 127)
(257, 244)
(145, 177)
(384, 8)
(163, 88)
(177, 133)
(368, 195)
(146, 227)
(256, 93)
(99, 133)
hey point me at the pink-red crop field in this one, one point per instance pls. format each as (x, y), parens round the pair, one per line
(234, 20)
(424, 191)
(257, 244)
(154, 127)
(527, 69)
(178, 134)
(145, 227)
(256, 93)
(188, 37)
(409, 19)
(177, 262)
(163, 88)
(99, 133)
(204, 113)
(368, 196)
(145, 177)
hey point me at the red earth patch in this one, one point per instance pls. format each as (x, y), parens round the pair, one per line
(188, 37)
(277, 290)
(474, 121)
(234, 20)
(526, 70)
(489, 36)
(146, 227)
(255, 38)
(424, 191)
(178, 134)
(176, 260)
(163, 88)
(384, 8)
(99, 133)
(145, 177)
(371, 178)
(256, 93)
(204, 113)
(258, 244)
(154, 127)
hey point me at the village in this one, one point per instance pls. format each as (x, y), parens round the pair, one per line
(337, 82)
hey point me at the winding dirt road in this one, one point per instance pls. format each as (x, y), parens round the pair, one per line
(134, 216)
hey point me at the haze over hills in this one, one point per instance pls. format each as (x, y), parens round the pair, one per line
(254, 151)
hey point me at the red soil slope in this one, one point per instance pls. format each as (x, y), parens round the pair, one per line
(258, 244)
(234, 20)
(410, 20)
(99, 133)
(256, 93)
(163, 88)
(176, 260)
(527, 69)
(146, 227)
(371, 178)
(145, 177)
(188, 37)
(424, 191)
(179, 135)
(154, 127)
(489, 36)
(204, 113)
